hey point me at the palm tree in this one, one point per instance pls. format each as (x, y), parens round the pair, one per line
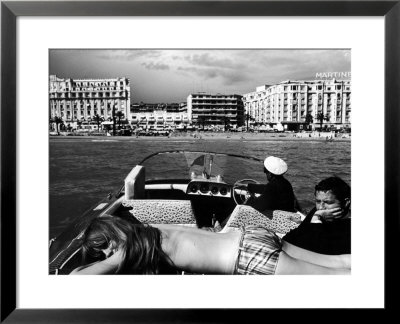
(113, 120)
(309, 120)
(226, 123)
(57, 120)
(201, 120)
(51, 124)
(120, 115)
(98, 120)
(248, 117)
(321, 117)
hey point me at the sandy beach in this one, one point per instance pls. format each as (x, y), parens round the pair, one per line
(243, 136)
(260, 136)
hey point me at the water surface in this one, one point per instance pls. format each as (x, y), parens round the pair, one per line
(84, 170)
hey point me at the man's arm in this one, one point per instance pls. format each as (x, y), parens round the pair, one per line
(342, 261)
(288, 265)
(256, 188)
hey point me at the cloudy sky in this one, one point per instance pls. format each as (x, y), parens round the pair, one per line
(171, 75)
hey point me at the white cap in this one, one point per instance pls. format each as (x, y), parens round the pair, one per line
(275, 165)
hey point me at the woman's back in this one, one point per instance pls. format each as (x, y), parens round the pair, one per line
(200, 251)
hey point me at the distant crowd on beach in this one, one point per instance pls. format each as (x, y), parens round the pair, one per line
(199, 135)
(326, 135)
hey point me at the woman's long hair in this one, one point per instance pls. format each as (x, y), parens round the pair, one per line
(141, 244)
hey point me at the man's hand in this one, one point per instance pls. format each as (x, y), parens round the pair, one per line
(242, 186)
(329, 215)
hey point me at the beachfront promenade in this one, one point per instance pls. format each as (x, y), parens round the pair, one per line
(248, 136)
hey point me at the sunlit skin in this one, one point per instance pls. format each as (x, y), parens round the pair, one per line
(198, 251)
(329, 207)
(110, 250)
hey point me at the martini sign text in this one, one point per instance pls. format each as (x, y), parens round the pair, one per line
(330, 75)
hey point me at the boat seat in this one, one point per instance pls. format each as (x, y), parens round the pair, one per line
(154, 211)
(135, 183)
(278, 221)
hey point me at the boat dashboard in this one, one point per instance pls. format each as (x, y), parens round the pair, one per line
(210, 199)
(209, 188)
(198, 187)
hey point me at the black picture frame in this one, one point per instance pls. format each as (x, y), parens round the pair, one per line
(11, 10)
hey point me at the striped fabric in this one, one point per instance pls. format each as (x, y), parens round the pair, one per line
(258, 251)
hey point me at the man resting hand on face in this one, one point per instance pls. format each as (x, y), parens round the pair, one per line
(327, 228)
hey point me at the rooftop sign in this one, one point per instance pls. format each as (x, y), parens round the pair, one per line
(330, 75)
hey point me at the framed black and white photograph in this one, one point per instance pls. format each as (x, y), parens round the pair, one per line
(152, 152)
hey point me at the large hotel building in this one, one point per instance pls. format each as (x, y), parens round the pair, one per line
(215, 109)
(201, 109)
(81, 99)
(289, 102)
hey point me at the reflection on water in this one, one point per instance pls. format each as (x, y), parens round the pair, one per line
(85, 170)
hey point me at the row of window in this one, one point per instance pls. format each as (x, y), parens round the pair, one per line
(292, 95)
(217, 108)
(87, 104)
(217, 114)
(88, 95)
(287, 118)
(254, 112)
(94, 83)
(75, 108)
(96, 89)
(295, 106)
(200, 102)
(214, 97)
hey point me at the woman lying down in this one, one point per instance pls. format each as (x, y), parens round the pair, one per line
(124, 247)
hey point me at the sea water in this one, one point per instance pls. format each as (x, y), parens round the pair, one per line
(83, 170)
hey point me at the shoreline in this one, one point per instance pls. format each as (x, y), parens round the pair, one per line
(210, 136)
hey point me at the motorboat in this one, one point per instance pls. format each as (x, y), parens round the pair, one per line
(188, 188)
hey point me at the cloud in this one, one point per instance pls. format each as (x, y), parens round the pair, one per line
(227, 77)
(194, 72)
(208, 60)
(187, 69)
(289, 59)
(236, 71)
(155, 66)
(236, 67)
(234, 77)
(223, 66)
(127, 55)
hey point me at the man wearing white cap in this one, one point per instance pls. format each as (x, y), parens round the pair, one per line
(278, 193)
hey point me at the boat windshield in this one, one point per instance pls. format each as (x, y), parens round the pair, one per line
(188, 165)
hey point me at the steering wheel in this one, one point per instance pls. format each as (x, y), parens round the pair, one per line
(244, 194)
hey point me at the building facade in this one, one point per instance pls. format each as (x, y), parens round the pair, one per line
(159, 116)
(215, 109)
(290, 102)
(77, 100)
